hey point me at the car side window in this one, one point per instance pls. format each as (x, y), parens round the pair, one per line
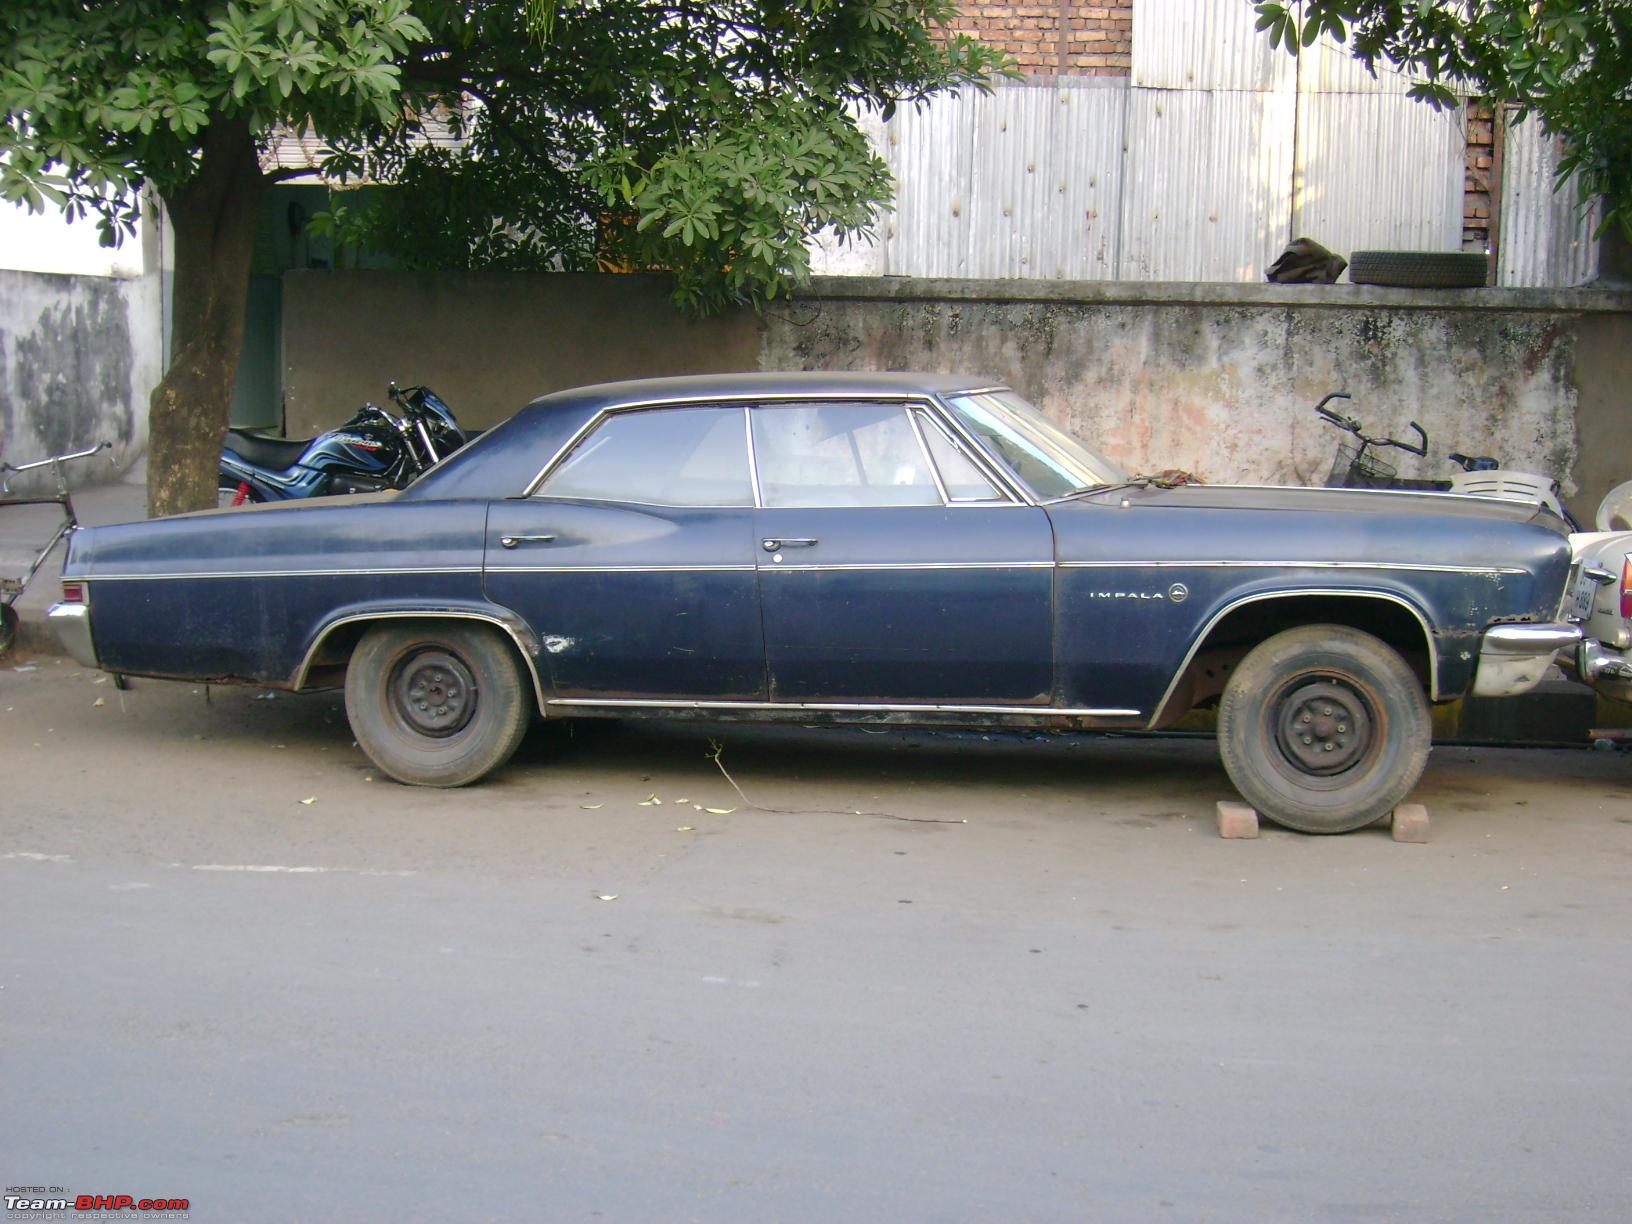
(842, 454)
(661, 457)
(964, 481)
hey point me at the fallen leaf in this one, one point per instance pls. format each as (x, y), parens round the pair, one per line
(591, 807)
(719, 811)
(685, 828)
(650, 800)
(606, 896)
(99, 702)
(309, 802)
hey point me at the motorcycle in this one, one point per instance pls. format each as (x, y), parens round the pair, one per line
(371, 452)
(1356, 467)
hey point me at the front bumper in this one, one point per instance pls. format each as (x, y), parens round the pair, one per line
(1513, 658)
(72, 622)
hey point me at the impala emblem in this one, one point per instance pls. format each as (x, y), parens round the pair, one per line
(1178, 592)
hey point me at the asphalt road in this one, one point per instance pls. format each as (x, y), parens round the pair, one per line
(1076, 1003)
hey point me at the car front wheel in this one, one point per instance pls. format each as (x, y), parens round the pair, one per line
(437, 703)
(1323, 729)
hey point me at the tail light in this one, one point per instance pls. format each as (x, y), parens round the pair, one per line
(74, 592)
(1626, 588)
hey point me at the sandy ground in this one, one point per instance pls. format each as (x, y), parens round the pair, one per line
(1072, 1002)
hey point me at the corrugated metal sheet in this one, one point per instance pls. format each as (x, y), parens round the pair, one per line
(1204, 44)
(1379, 171)
(1209, 188)
(930, 150)
(1024, 182)
(1330, 67)
(1545, 241)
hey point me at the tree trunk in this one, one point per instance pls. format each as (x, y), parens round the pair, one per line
(213, 217)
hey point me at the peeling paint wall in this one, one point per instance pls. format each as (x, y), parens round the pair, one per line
(79, 356)
(1222, 380)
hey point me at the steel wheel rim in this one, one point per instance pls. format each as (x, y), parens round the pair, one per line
(433, 693)
(1324, 728)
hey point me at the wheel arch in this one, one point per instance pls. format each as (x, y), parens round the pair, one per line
(1244, 622)
(337, 637)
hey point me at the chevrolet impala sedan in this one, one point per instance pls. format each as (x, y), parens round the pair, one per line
(908, 549)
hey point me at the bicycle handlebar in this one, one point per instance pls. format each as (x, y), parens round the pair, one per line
(50, 459)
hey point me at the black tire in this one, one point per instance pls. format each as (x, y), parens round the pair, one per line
(1420, 269)
(8, 628)
(437, 703)
(1323, 729)
(226, 493)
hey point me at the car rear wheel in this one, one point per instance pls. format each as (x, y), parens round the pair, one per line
(1323, 729)
(437, 703)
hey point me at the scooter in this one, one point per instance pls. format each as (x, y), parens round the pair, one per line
(371, 452)
(1356, 467)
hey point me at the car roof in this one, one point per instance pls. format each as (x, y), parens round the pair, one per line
(795, 383)
(507, 458)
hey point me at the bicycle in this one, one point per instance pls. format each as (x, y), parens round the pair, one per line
(11, 589)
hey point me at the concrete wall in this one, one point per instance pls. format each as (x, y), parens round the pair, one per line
(1217, 379)
(1221, 379)
(487, 342)
(79, 356)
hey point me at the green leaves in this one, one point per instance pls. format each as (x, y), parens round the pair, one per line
(709, 139)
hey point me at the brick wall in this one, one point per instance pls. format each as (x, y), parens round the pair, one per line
(1476, 187)
(1054, 37)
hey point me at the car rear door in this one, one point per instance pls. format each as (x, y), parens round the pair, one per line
(633, 561)
(888, 579)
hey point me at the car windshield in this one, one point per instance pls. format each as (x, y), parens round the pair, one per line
(1038, 452)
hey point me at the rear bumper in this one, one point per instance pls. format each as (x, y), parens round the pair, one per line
(72, 623)
(1513, 658)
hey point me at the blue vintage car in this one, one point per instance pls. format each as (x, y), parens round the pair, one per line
(917, 549)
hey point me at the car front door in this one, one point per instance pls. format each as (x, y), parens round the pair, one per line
(633, 560)
(888, 578)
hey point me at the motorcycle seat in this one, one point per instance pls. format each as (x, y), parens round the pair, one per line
(276, 454)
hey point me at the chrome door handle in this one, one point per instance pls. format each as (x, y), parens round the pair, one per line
(775, 543)
(512, 541)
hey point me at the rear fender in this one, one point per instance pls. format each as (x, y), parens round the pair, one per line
(511, 624)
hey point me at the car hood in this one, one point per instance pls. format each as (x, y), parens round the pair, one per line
(1339, 501)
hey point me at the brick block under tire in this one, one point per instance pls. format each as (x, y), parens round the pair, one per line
(1323, 728)
(1420, 269)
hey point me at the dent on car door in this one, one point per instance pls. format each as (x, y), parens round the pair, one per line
(887, 579)
(633, 561)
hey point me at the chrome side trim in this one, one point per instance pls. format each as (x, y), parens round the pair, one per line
(306, 573)
(1412, 566)
(910, 565)
(617, 569)
(839, 707)
(299, 680)
(1347, 593)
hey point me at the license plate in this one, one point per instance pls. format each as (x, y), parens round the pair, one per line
(1586, 591)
